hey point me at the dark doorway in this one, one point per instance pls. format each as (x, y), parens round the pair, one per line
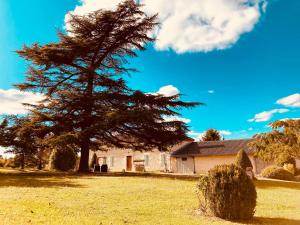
(128, 163)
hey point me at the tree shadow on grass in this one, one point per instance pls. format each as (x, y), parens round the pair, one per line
(38, 181)
(264, 184)
(273, 221)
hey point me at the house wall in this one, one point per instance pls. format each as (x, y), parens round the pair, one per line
(173, 165)
(156, 162)
(116, 159)
(183, 165)
(204, 163)
(298, 163)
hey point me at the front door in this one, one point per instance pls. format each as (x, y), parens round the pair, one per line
(129, 163)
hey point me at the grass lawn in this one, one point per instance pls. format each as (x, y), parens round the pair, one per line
(43, 198)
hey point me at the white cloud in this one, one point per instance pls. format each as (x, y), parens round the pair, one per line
(194, 133)
(193, 25)
(168, 91)
(284, 119)
(225, 132)
(266, 115)
(11, 101)
(206, 25)
(176, 118)
(290, 101)
(211, 91)
(250, 129)
(199, 135)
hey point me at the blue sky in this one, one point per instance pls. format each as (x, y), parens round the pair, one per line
(237, 77)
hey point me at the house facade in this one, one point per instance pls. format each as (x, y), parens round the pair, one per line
(119, 160)
(188, 157)
(199, 157)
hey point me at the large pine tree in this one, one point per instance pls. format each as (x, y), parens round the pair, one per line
(88, 103)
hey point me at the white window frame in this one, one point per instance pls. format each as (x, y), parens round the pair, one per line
(146, 162)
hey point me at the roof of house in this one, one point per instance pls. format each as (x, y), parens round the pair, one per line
(212, 148)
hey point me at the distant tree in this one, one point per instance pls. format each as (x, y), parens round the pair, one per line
(39, 134)
(211, 135)
(23, 137)
(242, 160)
(88, 103)
(282, 142)
(20, 143)
(4, 135)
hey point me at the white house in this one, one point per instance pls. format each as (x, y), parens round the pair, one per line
(188, 157)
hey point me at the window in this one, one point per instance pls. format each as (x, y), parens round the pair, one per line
(146, 160)
(183, 159)
(111, 163)
(104, 160)
(163, 160)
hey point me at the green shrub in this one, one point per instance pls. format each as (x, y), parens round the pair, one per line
(63, 159)
(227, 192)
(285, 159)
(276, 172)
(242, 160)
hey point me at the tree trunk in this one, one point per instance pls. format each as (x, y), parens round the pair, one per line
(87, 115)
(84, 158)
(22, 161)
(40, 166)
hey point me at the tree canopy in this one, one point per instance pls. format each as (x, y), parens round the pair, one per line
(18, 141)
(282, 141)
(87, 102)
(211, 135)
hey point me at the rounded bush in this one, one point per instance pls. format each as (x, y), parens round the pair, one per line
(229, 193)
(63, 159)
(276, 172)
